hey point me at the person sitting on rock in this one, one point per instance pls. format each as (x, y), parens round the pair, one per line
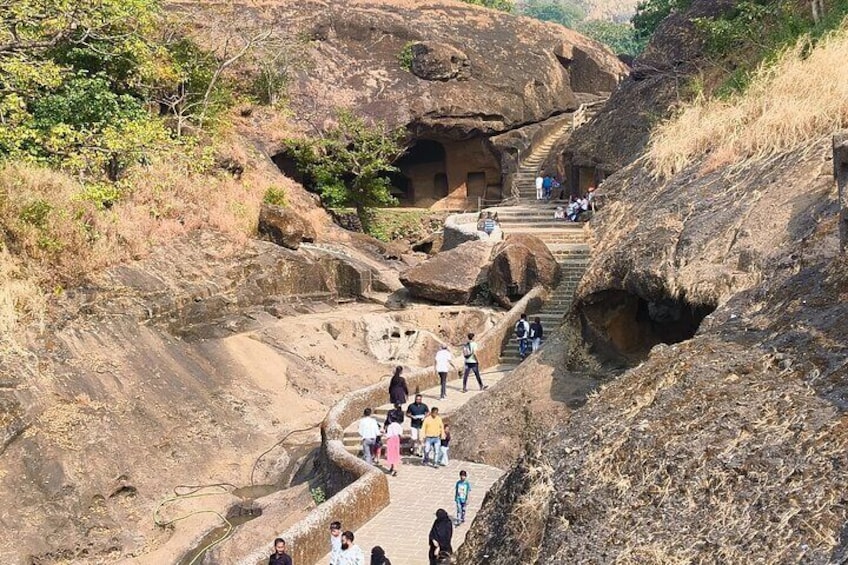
(481, 222)
(489, 224)
(559, 213)
(573, 210)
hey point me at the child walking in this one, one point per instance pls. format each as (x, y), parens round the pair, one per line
(461, 492)
(443, 452)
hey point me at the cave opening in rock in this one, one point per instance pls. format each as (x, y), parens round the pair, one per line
(423, 173)
(623, 326)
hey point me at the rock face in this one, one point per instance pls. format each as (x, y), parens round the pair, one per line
(617, 136)
(439, 61)
(621, 474)
(283, 226)
(521, 262)
(451, 277)
(474, 71)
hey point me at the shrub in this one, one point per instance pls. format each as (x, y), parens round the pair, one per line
(801, 96)
(275, 195)
(405, 56)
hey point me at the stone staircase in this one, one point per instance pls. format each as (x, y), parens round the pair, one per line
(566, 240)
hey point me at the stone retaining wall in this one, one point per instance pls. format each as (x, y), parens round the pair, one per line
(359, 491)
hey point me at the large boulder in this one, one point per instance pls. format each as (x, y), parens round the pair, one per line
(451, 277)
(443, 68)
(283, 226)
(520, 263)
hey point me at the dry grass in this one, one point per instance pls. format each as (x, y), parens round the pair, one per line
(800, 97)
(527, 526)
(56, 235)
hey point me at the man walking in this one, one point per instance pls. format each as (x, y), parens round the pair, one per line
(417, 411)
(547, 185)
(434, 432)
(444, 362)
(469, 352)
(536, 334)
(522, 332)
(351, 554)
(369, 429)
(539, 182)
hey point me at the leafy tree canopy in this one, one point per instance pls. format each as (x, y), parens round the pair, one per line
(621, 38)
(564, 13)
(649, 14)
(350, 163)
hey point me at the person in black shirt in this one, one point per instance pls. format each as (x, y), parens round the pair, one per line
(536, 334)
(280, 557)
(416, 412)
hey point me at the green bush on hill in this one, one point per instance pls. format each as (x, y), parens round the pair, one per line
(503, 5)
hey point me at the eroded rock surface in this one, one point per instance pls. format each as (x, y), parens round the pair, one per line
(451, 277)
(284, 226)
(519, 263)
(473, 70)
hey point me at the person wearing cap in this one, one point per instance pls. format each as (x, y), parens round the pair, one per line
(444, 363)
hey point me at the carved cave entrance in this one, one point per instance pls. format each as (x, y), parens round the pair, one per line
(623, 327)
(423, 174)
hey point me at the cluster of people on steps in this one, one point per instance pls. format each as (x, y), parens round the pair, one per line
(431, 438)
(344, 551)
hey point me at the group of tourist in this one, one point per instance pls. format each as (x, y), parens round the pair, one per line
(529, 335)
(431, 438)
(576, 207)
(546, 185)
(343, 550)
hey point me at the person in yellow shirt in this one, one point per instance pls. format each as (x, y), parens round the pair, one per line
(433, 431)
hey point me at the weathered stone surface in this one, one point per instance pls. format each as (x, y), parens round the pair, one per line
(618, 134)
(439, 61)
(451, 277)
(516, 76)
(283, 226)
(519, 263)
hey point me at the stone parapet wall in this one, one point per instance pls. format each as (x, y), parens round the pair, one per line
(359, 491)
(460, 228)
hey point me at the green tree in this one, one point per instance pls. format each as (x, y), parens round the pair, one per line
(621, 38)
(564, 13)
(502, 5)
(649, 14)
(350, 163)
(73, 79)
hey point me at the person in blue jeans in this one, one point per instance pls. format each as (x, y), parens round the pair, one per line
(461, 492)
(522, 332)
(469, 352)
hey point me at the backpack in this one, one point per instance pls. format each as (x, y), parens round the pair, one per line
(466, 350)
(521, 329)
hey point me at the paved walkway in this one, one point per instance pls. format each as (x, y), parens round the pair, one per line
(403, 527)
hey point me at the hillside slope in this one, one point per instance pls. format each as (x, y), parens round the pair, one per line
(730, 446)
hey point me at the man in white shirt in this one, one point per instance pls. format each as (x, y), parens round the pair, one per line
(351, 553)
(444, 362)
(369, 429)
(539, 188)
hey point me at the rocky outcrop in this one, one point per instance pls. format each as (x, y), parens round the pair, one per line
(619, 133)
(451, 277)
(519, 263)
(283, 226)
(472, 71)
(751, 408)
(439, 61)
